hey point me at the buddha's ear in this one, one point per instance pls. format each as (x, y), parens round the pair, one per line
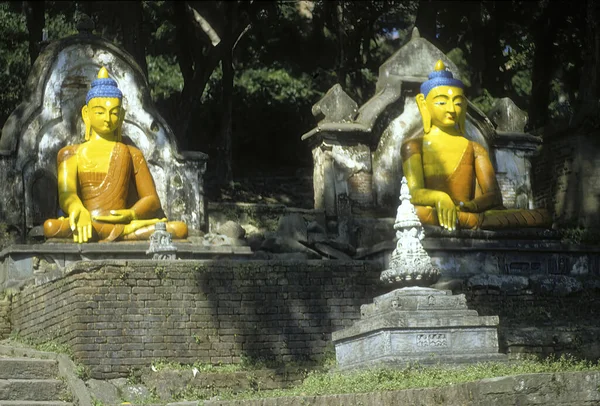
(86, 120)
(422, 105)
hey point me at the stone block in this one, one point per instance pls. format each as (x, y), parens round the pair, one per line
(421, 325)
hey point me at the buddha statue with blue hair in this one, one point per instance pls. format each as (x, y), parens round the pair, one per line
(451, 179)
(104, 186)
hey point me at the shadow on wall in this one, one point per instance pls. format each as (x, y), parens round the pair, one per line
(567, 179)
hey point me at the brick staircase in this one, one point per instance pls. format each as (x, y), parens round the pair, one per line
(31, 382)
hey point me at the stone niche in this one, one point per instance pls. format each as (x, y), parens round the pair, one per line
(49, 117)
(356, 150)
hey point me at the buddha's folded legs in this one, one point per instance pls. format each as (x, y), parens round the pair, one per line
(105, 232)
(491, 219)
(516, 218)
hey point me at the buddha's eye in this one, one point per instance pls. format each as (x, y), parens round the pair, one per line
(440, 103)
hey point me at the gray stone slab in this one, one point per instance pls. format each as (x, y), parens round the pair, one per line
(419, 345)
(415, 325)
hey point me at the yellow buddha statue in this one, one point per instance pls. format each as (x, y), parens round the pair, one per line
(451, 179)
(105, 186)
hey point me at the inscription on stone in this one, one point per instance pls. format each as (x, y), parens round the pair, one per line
(432, 340)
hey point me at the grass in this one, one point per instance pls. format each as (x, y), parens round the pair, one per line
(414, 376)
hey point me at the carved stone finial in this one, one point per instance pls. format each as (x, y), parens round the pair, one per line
(161, 244)
(415, 33)
(410, 264)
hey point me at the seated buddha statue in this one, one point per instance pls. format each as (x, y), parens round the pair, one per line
(451, 179)
(104, 185)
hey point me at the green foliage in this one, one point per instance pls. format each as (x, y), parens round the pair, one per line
(276, 86)
(484, 102)
(164, 76)
(580, 235)
(14, 58)
(457, 56)
(415, 376)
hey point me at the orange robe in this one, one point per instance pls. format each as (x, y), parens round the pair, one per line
(474, 179)
(127, 181)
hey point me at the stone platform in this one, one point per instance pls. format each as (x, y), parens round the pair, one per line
(464, 253)
(417, 325)
(22, 262)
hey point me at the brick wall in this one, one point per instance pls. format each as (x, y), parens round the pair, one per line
(543, 323)
(118, 315)
(5, 318)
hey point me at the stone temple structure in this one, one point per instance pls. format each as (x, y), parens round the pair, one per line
(49, 118)
(356, 149)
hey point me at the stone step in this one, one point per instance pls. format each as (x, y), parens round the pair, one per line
(32, 403)
(31, 389)
(28, 368)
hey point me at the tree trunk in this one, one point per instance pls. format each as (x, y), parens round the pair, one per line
(541, 76)
(36, 21)
(225, 158)
(477, 61)
(493, 78)
(182, 35)
(589, 88)
(426, 20)
(134, 37)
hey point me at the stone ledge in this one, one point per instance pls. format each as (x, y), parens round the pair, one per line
(562, 388)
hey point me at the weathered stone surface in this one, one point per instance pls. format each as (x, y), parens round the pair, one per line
(508, 116)
(232, 230)
(136, 394)
(103, 391)
(417, 324)
(285, 245)
(314, 227)
(331, 252)
(560, 285)
(293, 226)
(335, 107)
(506, 283)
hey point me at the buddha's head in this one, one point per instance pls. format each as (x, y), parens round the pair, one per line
(102, 112)
(442, 102)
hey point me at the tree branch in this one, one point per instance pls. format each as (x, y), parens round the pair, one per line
(205, 27)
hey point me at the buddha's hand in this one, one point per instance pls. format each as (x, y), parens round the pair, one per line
(469, 206)
(447, 213)
(125, 216)
(80, 221)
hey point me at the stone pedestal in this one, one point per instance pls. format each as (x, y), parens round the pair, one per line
(417, 325)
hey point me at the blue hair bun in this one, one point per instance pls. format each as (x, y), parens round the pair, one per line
(105, 87)
(440, 78)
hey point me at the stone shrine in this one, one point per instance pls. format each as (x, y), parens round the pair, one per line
(49, 118)
(415, 324)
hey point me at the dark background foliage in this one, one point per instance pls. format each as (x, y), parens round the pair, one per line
(246, 99)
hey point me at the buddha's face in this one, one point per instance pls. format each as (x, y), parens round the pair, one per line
(447, 105)
(104, 114)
